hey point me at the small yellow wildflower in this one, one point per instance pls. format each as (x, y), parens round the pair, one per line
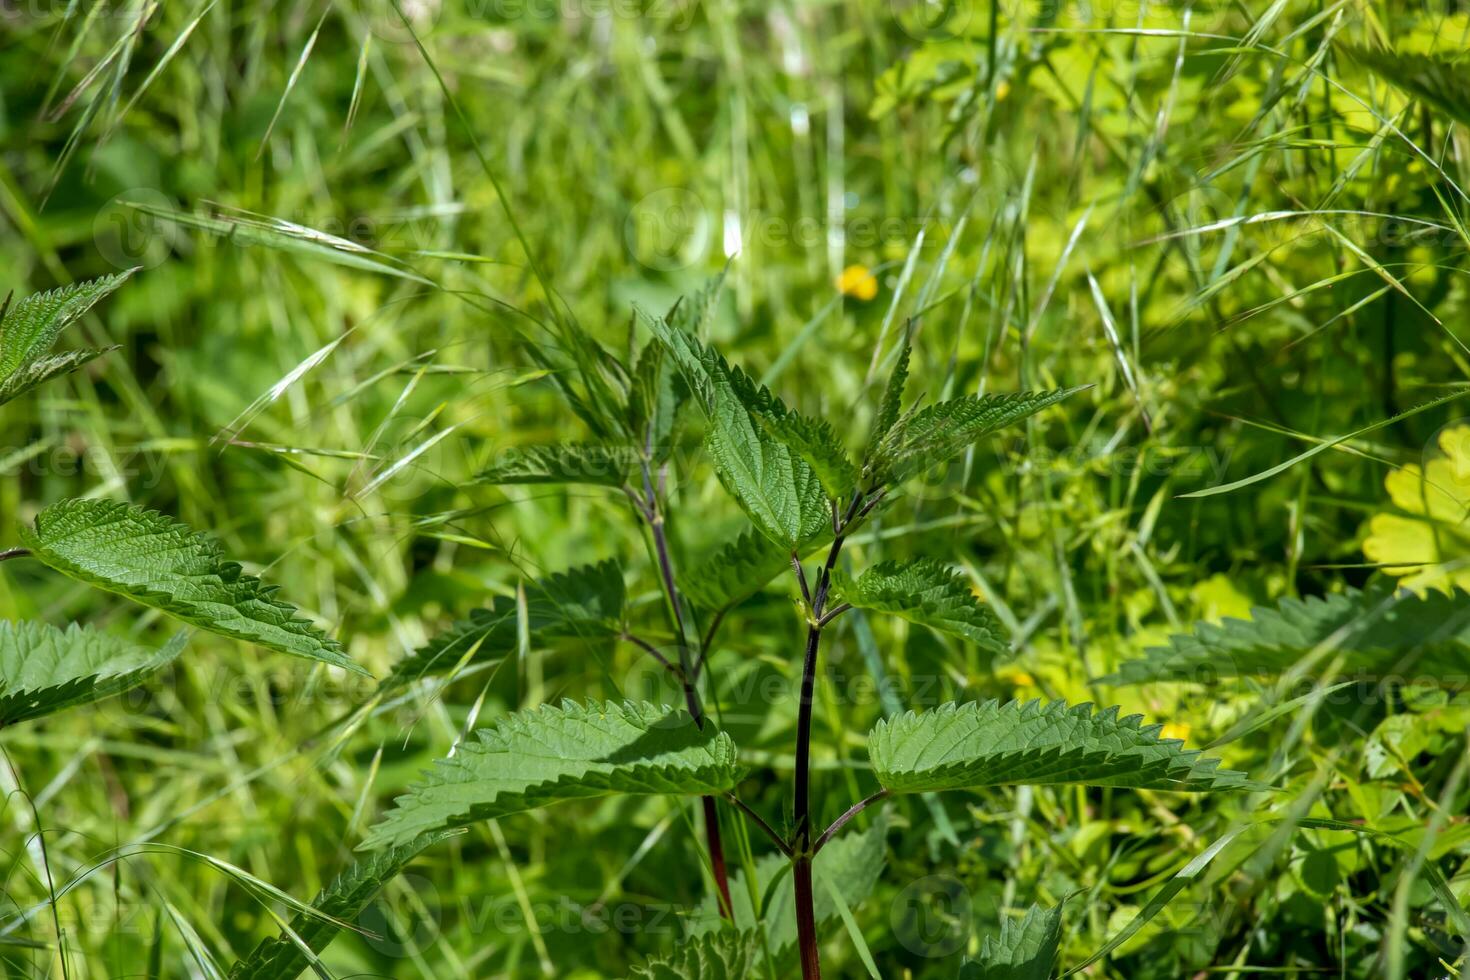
(1176, 729)
(858, 282)
(1019, 678)
(1002, 90)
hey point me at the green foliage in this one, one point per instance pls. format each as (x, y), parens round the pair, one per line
(567, 462)
(550, 754)
(584, 602)
(853, 863)
(1025, 949)
(741, 568)
(1439, 79)
(772, 481)
(1374, 634)
(967, 746)
(720, 955)
(926, 592)
(158, 562)
(44, 669)
(891, 405)
(937, 434)
(29, 328)
(283, 957)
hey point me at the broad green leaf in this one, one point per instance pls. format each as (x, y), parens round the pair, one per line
(851, 861)
(777, 488)
(567, 462)
(586, 602)
(550, 754)
(926, 592)
(817, 445)
(1377, 633)
(940, 432)
(44, 669)
(722, 955)
(156, 561)
(967, 746)
(29, 328)
(744, 566)
(283, 958)
(1438, 79)
(1025, 949)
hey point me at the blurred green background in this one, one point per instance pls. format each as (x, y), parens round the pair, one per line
(324, 342)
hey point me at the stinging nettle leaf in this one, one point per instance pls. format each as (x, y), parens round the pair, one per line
(30, 327)
(567, 462)
(774, 484)
(940, 432)
(1377, 633)
(926, 592)
(723, 955)
(282, 958)
(44, 669)
(1025, 948)
(891, 405)
(583, 602)
(549, 754)
(154, 560)
(977, 744)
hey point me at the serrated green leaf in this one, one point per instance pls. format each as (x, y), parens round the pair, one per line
(722, 955)
(940, 432)
(773, 483)
(891, 405)
(1441, 80)
(654, 402)
(44, 669)
(968, 746)
(818, 446)
(736, 571)
(1025, 949)
(583, 602)
(29, 328)
(550, 754)
(283, 958)
(926, 592)
(567, 462)
(851, 861)
(156, 561)
(1376, 634)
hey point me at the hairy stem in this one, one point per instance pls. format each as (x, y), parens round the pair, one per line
(806, 926)
(648, 507)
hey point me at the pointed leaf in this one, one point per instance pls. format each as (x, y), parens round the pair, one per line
(772, 482)
(722, 955)
(156, 561)
(928, 593)
(967, 746)
(550, 754)
(940, 432)
(567, 462)
(30, 327)
(1377, 634)
(282, 958)
(654, 401)
(1025, 949)
(891, 406)
(583, 602)
(44, 669)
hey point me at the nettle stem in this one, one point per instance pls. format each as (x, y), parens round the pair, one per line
(14, 553)
(804, 848)
(648, 507)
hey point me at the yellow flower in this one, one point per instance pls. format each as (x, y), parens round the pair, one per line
(856, 281)
(1428, 545)
(1002, 90)
(1175, 729)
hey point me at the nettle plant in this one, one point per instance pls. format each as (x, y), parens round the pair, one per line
(139, 554)
(805, 496)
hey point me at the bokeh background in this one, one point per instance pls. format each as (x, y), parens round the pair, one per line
(1244, 236)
